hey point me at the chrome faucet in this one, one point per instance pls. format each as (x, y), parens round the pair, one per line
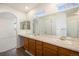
(62, 37)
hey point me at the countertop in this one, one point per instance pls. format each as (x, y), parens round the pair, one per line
(72, 44)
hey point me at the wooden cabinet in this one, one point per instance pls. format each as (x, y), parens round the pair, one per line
(31, 46)
(39, 53)
(39, 48)
(26, 43)
(49, 50)
(66, 52)
(50, 46)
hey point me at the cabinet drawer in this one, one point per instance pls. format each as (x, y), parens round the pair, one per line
(49, 46)
(38, 42)
(66, 52)
(31, 40)
(49, 52)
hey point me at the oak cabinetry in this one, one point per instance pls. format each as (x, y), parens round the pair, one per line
(49, 50)
(26, 41)
(39, 48)
(39, 53)
(29, 45)
(32, 46)
(67, 52)
(50, 46)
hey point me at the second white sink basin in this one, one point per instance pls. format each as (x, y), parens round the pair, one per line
(67, 42)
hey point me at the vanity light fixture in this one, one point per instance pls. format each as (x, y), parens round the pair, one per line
(77, 13)
(26, 7)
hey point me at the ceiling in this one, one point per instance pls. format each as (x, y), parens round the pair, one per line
(48, 7)
(21, 6)
(7, 16)
(72, 11)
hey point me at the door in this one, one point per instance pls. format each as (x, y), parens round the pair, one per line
(7, 35)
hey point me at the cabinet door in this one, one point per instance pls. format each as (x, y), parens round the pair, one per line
(66, 52)
(32, 46)
(39, 48)
(49, 50)
(50, 46)
(26, 43)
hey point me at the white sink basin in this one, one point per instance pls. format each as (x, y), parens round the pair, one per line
(67, 42)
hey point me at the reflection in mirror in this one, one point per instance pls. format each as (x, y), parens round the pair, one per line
(73, 23)
(72, 26)
(54, 24)
(25, 25)
(28, 25)
(60, 24)
(42, 26)
(22, 25)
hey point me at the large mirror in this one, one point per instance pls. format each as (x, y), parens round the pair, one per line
(54, 24)
(73, 23)
(59, 24)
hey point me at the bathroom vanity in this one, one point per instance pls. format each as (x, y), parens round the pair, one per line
(42, 35)
(49, 46)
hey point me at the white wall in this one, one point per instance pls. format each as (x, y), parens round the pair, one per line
(7, 35)
(10, 43)
(21, 16)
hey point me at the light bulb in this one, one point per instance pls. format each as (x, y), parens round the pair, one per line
(26, 7)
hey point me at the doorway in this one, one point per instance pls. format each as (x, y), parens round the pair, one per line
(8, 36)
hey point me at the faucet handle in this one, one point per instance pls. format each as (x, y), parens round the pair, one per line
(62, 37)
